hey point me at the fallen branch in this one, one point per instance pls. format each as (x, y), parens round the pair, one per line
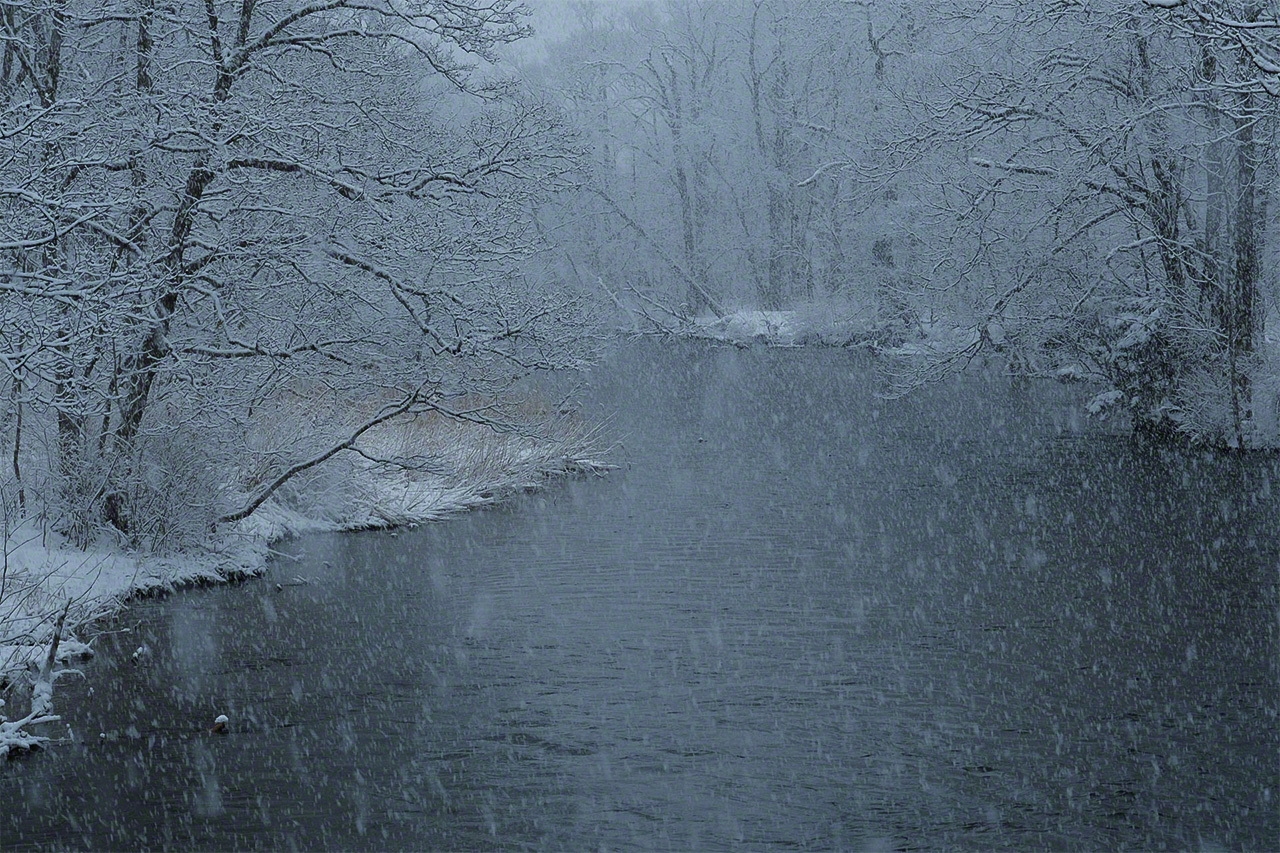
(12, 732)
(680, 271)
(385, 414)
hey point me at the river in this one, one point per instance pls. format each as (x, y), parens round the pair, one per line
(799, 616)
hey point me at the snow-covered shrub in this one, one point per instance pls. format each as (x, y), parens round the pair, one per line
(171, 496)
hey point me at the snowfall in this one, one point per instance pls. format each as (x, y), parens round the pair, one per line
(42, 572)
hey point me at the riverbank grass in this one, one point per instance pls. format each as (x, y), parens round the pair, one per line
(408, 471)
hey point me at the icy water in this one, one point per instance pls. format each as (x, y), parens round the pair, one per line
(800, 617)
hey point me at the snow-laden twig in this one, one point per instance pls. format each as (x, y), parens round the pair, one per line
(13, 734)
(385, 414)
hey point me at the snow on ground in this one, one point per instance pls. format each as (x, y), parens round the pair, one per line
(774, 327)
(40, 572)
(818, 323)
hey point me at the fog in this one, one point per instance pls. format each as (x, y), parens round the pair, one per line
(665, 425)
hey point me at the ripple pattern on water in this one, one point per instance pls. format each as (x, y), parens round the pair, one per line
(801, 616)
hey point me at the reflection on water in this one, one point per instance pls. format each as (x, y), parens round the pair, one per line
(801, 616)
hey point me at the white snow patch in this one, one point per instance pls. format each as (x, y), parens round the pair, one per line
(42, 571)
(1105, 400)
(818, 322)
(778, 327)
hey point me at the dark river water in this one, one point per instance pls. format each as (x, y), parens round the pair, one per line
(800, 616)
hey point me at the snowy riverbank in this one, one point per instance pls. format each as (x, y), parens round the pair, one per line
(814, 324)
(42, 574)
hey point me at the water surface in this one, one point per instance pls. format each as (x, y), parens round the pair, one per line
(800, 616)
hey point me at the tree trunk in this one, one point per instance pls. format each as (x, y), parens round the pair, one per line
(1213, 286)
(1242, 311)
(17, 441)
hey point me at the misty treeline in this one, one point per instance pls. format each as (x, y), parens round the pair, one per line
(238, 233)
(1083, 189)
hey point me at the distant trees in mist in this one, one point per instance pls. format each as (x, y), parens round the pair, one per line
(223, 213)
(1085, 189)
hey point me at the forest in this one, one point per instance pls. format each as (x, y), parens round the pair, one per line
(214, 211)
(270, 256)
(1080, 189)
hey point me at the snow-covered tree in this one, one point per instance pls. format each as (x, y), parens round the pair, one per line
(716, 125)
(1103, 207)
(212, 204)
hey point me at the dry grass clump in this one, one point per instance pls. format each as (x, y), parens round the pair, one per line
(454, 454)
